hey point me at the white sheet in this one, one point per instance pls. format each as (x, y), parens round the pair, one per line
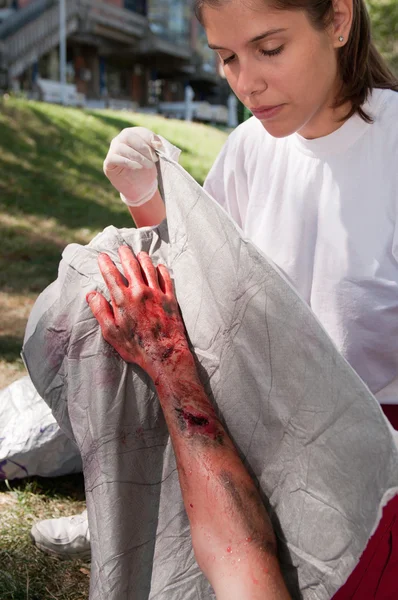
(306, 426)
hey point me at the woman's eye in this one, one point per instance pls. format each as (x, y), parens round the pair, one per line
(273, 52)
(227, 60)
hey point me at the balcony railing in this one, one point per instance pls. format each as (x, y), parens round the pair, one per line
(129, 21)
(32, 34)
(34, 30)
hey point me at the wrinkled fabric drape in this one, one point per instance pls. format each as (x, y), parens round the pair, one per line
(307, 428)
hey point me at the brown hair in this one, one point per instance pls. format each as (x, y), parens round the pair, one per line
(361, 66)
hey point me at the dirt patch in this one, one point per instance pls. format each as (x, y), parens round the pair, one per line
(7, 502)
(15, 312)
(11, 371)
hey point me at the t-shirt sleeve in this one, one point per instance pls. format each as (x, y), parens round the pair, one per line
(214, 183)
(395, 238)
(226, 181)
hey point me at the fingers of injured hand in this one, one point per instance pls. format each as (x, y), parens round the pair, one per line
(140, 273)
(165, 283)
(131, 268)
(148, 269)
(113, 279)
(102, 311)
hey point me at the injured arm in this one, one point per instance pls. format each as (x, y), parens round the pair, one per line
(232, 535)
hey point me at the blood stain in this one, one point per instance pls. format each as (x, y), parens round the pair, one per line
(167, 353)
(229, 549)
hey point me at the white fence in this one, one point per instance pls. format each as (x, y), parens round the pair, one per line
(51, 91)
(199, 111)
(48, 90)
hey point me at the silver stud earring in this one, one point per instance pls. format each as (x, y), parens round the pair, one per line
(341, 38)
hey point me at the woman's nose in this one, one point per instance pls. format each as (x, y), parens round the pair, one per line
(249, 82)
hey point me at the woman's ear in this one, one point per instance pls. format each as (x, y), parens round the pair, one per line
(342, 21)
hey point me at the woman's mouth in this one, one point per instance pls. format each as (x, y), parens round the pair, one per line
(266, 112)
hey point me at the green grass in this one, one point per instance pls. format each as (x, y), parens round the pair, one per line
(53, 192)
(25, 572)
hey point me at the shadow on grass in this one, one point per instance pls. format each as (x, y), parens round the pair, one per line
(29, 260)
(49, 198)
(26, 573)
(10, 347)
(111, 120)
(120, 124)
(66, 486)
(48, 156)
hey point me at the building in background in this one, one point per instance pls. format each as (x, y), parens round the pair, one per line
(137, 51)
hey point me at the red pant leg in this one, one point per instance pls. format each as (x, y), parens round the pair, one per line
(376, 575)
(391, 412)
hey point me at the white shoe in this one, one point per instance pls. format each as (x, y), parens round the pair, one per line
(66, 537)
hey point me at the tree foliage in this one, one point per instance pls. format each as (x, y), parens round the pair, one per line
(384, 17)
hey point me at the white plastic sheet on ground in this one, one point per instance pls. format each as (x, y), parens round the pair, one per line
(306, 426)
(31, 442)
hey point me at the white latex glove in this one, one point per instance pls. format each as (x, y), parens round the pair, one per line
(130, 164)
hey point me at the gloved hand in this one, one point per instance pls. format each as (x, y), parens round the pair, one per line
(130, 164)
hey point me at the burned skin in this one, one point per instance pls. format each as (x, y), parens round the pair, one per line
(247, 505)
(198, 424)
(152, 331)
(211, 470)
(155, 329)
(221, 500)
(190, 414)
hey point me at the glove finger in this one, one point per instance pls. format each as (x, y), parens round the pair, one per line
(133, 155)
(141, 140)
(156, 142)
(122, 150)
(119, 163)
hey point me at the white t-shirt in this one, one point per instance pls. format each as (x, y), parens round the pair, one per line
(325, 211)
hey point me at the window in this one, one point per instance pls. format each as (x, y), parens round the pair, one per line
(8, 4)
(170, 19)
(7, 8)
(138, 6)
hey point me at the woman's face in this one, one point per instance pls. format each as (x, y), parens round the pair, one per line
(278, 65)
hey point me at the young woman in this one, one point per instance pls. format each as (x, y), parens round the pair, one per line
(312, 179)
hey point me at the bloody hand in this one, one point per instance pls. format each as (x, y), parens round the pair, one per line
(142, 322)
